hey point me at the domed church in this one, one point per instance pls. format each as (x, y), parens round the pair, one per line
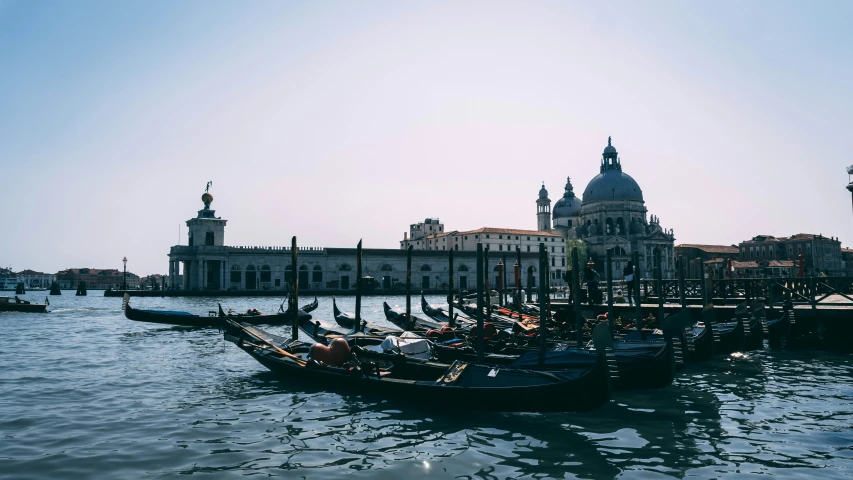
(611, 216)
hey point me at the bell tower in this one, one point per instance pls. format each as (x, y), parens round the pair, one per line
(543, 210)
(206, 229)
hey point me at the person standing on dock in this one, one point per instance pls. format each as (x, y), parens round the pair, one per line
(591, 278)
(628, 278)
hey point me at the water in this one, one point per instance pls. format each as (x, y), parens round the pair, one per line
(86, 393)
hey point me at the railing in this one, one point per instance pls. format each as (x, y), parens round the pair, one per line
(808, 290)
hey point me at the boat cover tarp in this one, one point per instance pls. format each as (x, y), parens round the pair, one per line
(555, 360)
(409, 344)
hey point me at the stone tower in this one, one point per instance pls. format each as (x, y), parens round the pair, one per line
(206, 229)
(543, 210)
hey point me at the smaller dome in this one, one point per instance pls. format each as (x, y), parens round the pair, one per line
(543, 194)
(206, 198)
(609, 149)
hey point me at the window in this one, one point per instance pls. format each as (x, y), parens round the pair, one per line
(317, 274)
(288, 274)
(516, 237)
(563, 250)
(266, 275)
(528, 238)
(476, 236)
(426, 268)
(570, 224)
(466, 237)
(552, 261)
(500, 247)
(487, 235)
(563, 262)
(208, 238)
(500, 237)
(456, 247)
(236, 276)
(528, 248)
(608, 226)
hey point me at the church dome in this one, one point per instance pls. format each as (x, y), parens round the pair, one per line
(543, 194)
(612, 184)
(569, 205)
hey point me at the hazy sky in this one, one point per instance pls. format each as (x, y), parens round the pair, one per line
(336, 121)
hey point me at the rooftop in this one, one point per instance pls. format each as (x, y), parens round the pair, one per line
(710, 248)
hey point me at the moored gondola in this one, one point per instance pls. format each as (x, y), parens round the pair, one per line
(346, 367)
(188, 319)
(347, 320)
(728, 337)
(398, 317)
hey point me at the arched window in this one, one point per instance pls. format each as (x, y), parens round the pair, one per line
(463, 268)
(620, 226)
(236, 274)
(266, 274)
(303, 275)
(288, 273)
(317, 274)
(608, 226)
(426, 268)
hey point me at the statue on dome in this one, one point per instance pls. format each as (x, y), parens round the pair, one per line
(207, 188)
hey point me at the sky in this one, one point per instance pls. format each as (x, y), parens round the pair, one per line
(338, 121)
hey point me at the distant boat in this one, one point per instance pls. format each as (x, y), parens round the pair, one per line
(10, 304)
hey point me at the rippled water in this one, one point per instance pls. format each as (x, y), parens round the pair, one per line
(87, 393)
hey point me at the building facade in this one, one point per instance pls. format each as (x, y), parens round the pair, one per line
(698, 257)
(33, 279)
(214, 266)
(96, 278)
(821, 255)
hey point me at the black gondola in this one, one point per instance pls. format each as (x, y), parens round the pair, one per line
(398, 317)
(192, 320)
(460, 385)
(729, 337)
(347, 320)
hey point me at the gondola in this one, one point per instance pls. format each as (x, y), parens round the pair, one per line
(8, 304)
(306, 308)
(398, 317)
(171, 317)
(440, 315)
(347, 320)
(729, 337)
(352, 369)
(437, 314)
(694, 343)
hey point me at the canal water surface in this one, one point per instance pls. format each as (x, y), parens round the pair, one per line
(85, 393)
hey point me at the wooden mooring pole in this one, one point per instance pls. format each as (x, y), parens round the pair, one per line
(294, 299)
(543, 303)
(358, 324)
(480, 306)
(409, 285)
(610, 319)
(576, 296)
(451, 321)
(486, 282)
(659, 286)
(639, 321)
(682, 295)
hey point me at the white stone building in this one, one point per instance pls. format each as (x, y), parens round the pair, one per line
(33, 279)
(207, 263)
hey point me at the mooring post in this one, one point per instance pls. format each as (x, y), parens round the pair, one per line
(639, 321)
(682, 295)
(576, 297)
(451, 320)
(409, 285)
(294, 299)
(500, 283)
(503, 280)
(610, 319)
(812, 292)
(530, 280)
(480, 321)
(357, 287)
(543, 303)
(702, 282)
(487, 288)
(518, 280)
(659, 287)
